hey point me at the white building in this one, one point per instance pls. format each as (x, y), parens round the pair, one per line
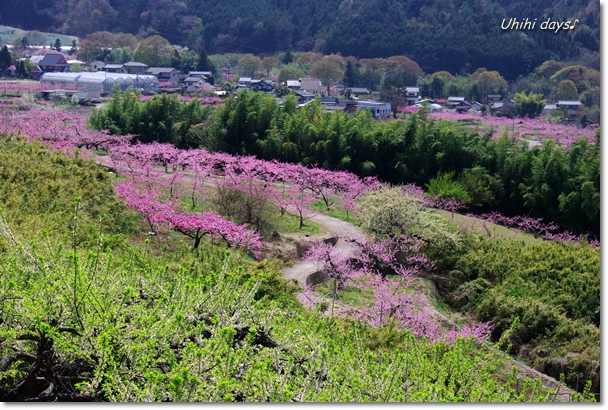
(378, 108)
(97, 83)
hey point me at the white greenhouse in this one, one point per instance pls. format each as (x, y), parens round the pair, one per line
(97, 83)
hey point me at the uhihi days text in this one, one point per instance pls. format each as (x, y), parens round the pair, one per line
(527, 24)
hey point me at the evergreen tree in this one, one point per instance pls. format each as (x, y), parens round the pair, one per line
(73, 49)
(57, 45)
(5, 58)
(21, 69)
(288, 58)
(204, 64)
(176, 60)
(351, 74)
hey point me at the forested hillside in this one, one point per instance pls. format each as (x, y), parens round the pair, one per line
(440, 35)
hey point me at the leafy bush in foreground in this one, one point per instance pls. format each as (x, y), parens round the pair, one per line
(136, 328)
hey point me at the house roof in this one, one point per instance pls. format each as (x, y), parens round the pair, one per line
(303, 93)
(501, 104)
(199, 73)
(97, 62)
(494, 95)
(75, 62)
(372, 103)
(569, 102)
(245, 79)
(193, 79)
(117, 66)
(293, 83)
(135, 64)
(51, 59)
(550, 107)
(455, 99)
(160, 70)
(329, 100)
(267, 82)
(412, 90)
(359, 90)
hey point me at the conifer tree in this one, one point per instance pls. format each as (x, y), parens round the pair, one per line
(73, 49)
(204, 64)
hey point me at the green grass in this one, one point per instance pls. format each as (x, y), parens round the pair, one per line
(335, 212)
(291, 224)
(476, 226)
(287, 223)
(7, 34)
(351, 295)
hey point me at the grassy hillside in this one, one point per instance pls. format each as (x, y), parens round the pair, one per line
(7, 34)
(86, 314)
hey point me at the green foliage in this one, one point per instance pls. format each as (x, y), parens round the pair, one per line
(38, 187)
(554, 290)
(530, 105)
(444, 186)
(391, 211)
(161, 118)
(155, 51)
(210, 327)
(497, 174)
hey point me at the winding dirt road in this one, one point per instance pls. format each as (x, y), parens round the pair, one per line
(336, 228)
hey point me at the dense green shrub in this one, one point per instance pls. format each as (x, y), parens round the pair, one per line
(39, 187)
(554, 290)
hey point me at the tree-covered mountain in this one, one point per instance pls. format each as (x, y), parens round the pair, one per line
(452, 35)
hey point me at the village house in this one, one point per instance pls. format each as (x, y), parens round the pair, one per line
(313, 86)
(53, 63)
(549, 108)
(454, 101)
(379, 109)
(570, 108)
(96, 65)
(134, 67)
(244, 82)
(412, 95)
(164, 74)
(72, 62)
(263, 86)
(293, 84)
(304, 97)
(354, 91)
(36, 73)
(204, 74)
(115, 68)
(492, 98)
(504, 108)
(193, 83)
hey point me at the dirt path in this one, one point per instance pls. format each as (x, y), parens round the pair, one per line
(336, 228)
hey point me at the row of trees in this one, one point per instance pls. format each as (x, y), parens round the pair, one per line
(502, 174)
